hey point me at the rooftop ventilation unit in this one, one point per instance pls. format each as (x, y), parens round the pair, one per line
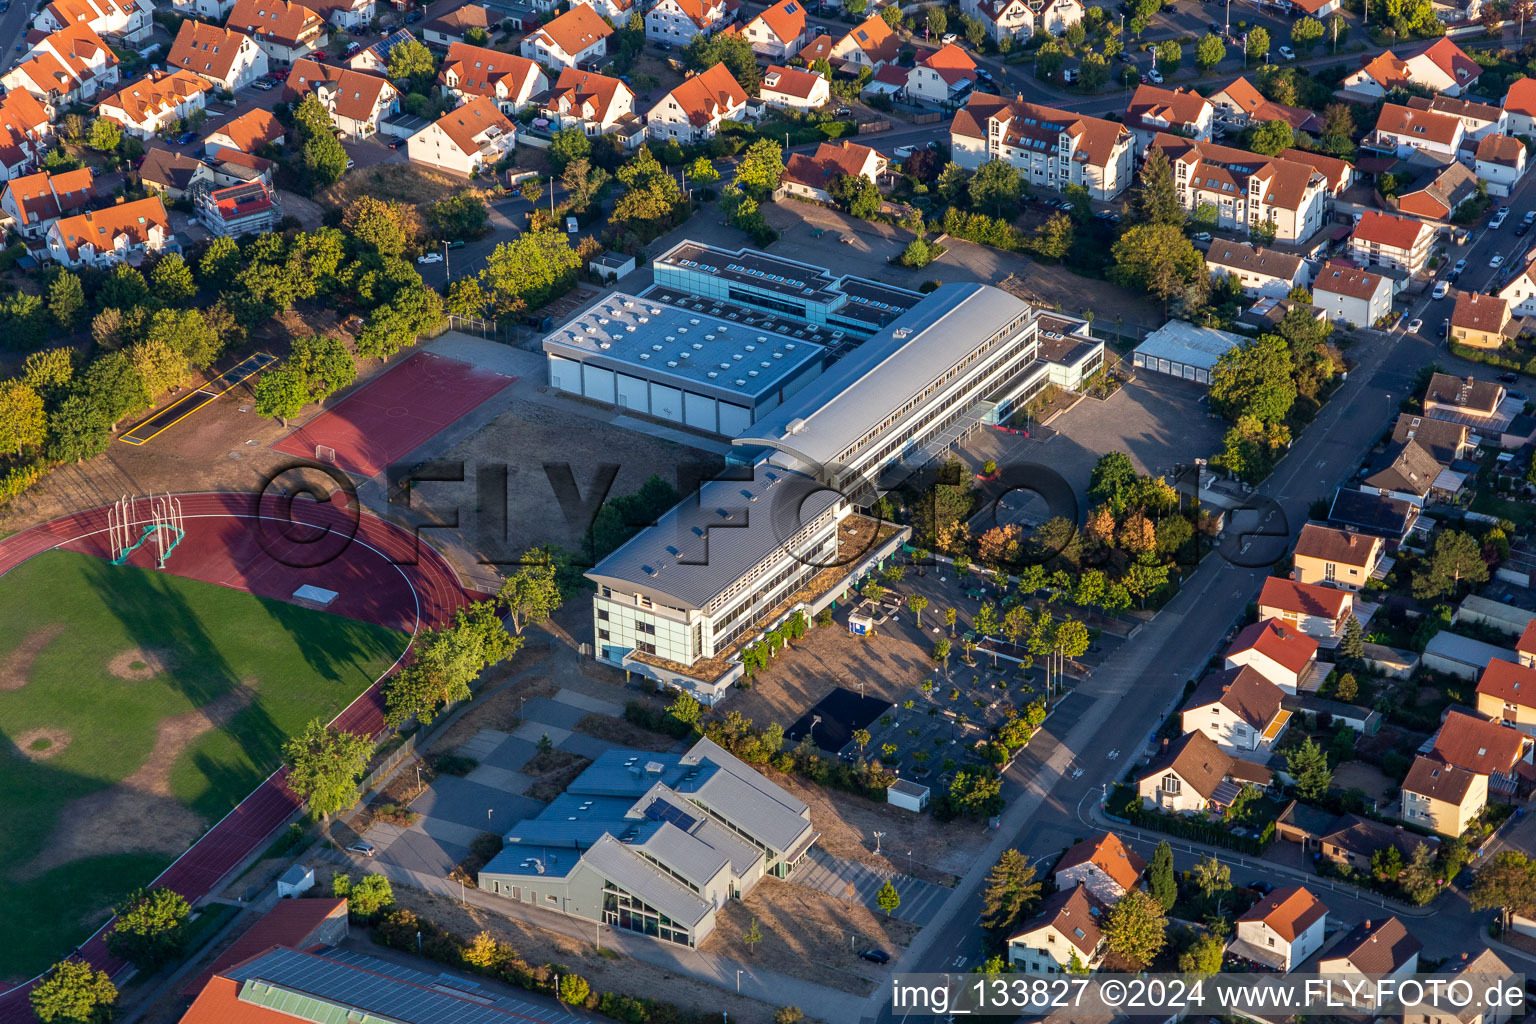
(741, 382)
(672, 363)
(712, 374)
(645, 355)
(655, 348)
(751, 348)
(605, 344)
(697, 347)
(694, 320)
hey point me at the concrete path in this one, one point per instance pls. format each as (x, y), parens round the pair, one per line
(920, 900)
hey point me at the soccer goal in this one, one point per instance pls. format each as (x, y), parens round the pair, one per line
(325, 453)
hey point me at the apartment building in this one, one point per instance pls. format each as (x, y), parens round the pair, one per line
(1052, 148)
(1154, 110)
(1248, 192)
(1385, 239)
(1259, 271)
(507, 80)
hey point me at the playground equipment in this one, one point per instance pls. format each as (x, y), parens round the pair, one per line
(157, 518)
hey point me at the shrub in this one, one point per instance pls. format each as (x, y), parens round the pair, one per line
(453, 764)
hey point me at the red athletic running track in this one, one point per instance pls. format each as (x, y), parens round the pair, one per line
(420, 589)
(392, 415)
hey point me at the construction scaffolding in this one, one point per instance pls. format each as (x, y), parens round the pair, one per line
(131, 522)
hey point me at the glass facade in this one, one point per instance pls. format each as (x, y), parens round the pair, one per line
(621, 910)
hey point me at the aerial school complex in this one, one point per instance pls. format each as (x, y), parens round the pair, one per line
(832, 390)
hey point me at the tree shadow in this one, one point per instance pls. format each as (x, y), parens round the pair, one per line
(332, 644)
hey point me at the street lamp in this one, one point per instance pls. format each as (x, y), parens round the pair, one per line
(488, 818)
(878, 836)
(738, 982)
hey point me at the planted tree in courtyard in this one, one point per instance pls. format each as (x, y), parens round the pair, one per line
(1456, 558)
(917, 603)
(888, 899)
(951, 616)
(1308, 765)
(531, 594)
(941, 652)
(752, 935)
(324, 765)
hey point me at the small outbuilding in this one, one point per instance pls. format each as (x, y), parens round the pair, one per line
(1181, 349)
(296, 881)
(908, 795)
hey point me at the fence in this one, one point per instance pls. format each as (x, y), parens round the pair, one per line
(871, 127)
(490, 330)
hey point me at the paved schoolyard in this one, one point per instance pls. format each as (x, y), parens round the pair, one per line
(821, 871)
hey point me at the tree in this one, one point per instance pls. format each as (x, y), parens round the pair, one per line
(326, 364)
(444, 663)
(466, 297)
(917, 603)
(282, 392)
(49, 371)
(1112, 478)
(686, 709)
(1173, 532)
(1159, 259)
(1352, 646)
(1308, 765)
(1250, 448)
(976, 790)
(23, 423)
(888, 899)
(1270, 138)
(158, 365)
(412, 60)
(567, 146)
(1169, 55)
(185, 331)
(1155, 199)
(529, 270)
(1213, 880)
(370, 897)
(1011, 892)
(220, 263)
(1204, 955)
(1093, 72)
(1254, 379)
(996, 186)
(321, 157)
(104, 135)
(1049, 59)
(752, 936)
(385, 226)
(170, 281)
(1209, 52)
(1456, 557)
(66, 300)
(1507, 881)
(1136, 928)
(1053, 239)
(936, 21)
(77, 429)
(1347, 688)
(324, 765)
(892, 18)
(1145, 577)
(74, 992)
(1160, 882)
(856, 194)
(150, 928)
(1338, 138)
(114, 386)
(123, 289)
(464, 215)
(941, 651)
(761, 168)
(734, 51)
(574, 990)
(1258, 43)
(531, 594)
(1305, 32)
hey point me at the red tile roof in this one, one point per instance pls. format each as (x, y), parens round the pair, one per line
(587, 89)
(99, 228)
(252, 130)
(1509, 682)
(1451, 59)
(155, 94)
(219, 1003)
(1500, 149)
(479, 70)
(785, 20)
(289, 923)
(791, 81)
(575, 30)
(1396, 119)
(878, 41)
(1289, 912)
(1484, 313)
(285, 23)
(950, 63)
(1251, 102)
(207, 49)
(1289, 648)
(1527, 642)
(42, 197)
(465, 123)
(1303, 598)
(1097, 139)
(1521, 97)
(1110, 855)
(1478, 745)
(1342, 279)
(1172, 107)
(708, 95)
(1389, 230)
(1332, 168)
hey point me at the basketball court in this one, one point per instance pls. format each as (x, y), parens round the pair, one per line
(161, 420)
(396, 413)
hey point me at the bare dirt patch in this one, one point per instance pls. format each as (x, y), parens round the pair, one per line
(625, 733)
(138, 814)
(406, 183)
(806, 934)
(140, 663)
(16, 666)
(41, 744)
(552, 772)
(607, 972)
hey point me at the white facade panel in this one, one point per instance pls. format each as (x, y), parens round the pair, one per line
(734, 419)
(698, 411)
(598, 384)
(633, 393)
(565, 374)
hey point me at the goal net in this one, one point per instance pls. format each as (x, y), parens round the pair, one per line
(325, 453)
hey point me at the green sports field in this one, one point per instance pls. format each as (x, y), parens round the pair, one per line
(136, 709)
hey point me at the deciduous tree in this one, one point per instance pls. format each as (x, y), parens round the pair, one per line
(531, 594)
(1135, 928)
(445, 661)
(150, 928)
(74, 992)
(1254, 379)
(324, 766)
(23, 422)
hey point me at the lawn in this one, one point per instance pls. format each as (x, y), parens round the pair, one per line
(138, 708)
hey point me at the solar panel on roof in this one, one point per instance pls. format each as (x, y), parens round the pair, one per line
(660, 810)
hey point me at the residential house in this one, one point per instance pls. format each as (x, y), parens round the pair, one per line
(1332, 557)
(1003, 19)
(1316, 611)
(1246, 191)
(35, 201)
(173, 174)
(577, 37)
(1438, 199)
(208, 10)
(1282, 929)
(155, 102)
(868, 44)
(356, 101)
(465, 139)
(1463, 399)
(1506, 692)
(1479, 119)
(287, 31)
(374, 59)
(1500, 752)
(1350, 295)
(1240, 105)
(1373, 949)
(229, 59)
(693, 111)
(507, 80)
(1345, 839)
(1284, 656)
(1520, 106)
(1105, 866)
(942, 76)
(1194, 774)
(1500, 161)
(1238, 708)
(677, 21)
(1442, 796)
(1384, 239)
(812, 176)
(24, 124)
(1054, 17)
(1067, 927)
(1258, 271)
(1438, 1009)
(1407, 472)
(123, 232)
(1444, 440)
(248, 132)
(1441, 67)
(594, 103)
(458, 25)
(616, 11)
(1319, 9)
(232, 167)
(1402, 131)
(1340, 174)
(69, 66)
(245, 209)
(352, 16)
(780, 31)
(1482, 321)
(1154, 109)
(1376, 514)
(127, 21)
(1520, 292)
(1053, 148)
(794, 89)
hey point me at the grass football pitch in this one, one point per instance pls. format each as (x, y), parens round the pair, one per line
(136, 709)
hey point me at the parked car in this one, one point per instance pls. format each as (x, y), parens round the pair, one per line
(457, 243)
(185, 137)
(353, 47)
(366, 849)
(1261, 887)
(1499, 217)
(1496, 262)
(413, 17)
(983, 74)
(1287, 53)
(1200, 236)
(875, 956)
(397, 143)
(1522, 230)
(843, 112)
(265, 84)
(351, 163)
(664, 47)
(1155, 76)
(1415, 325)
(902, 152)
(430, 257)
(949, 37)
(1214, 26)
(1530, 217)
(1518, 396)
(1508, 378)
(1442, 289)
